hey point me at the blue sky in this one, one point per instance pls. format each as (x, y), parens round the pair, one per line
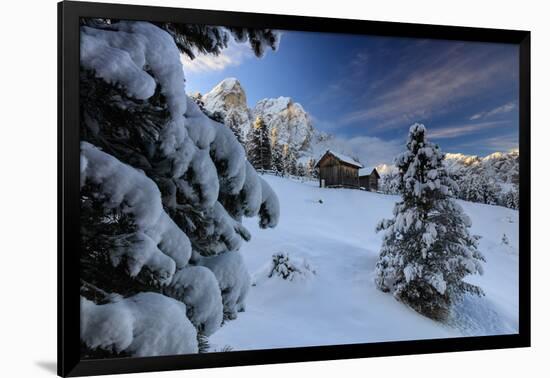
(373, 88)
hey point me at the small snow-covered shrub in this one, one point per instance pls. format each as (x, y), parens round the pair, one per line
(288, 268)
(505, 246)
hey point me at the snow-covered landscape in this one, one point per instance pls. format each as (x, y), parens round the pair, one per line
(234, 219)
(340, 304)
(488, 179)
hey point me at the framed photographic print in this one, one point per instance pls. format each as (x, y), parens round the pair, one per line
(241, 188)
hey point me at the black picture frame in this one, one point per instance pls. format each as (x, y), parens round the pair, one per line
(69, 363)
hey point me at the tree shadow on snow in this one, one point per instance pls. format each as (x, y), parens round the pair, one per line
(476, 316)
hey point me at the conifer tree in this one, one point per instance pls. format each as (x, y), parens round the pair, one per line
(276, 152)
(427, 248)
(389, 183)
(311, 171)
(510, 198)
(289, 160)
(258, 145)
(208, 39)
(164, 189)
(233, 123)
(478, 188)
(277, 162)
(300, 170)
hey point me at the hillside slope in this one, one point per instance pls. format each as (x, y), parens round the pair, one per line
(340, 304)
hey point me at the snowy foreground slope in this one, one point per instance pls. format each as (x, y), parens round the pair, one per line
(340, 304)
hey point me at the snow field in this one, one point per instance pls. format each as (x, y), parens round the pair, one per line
(340, 304)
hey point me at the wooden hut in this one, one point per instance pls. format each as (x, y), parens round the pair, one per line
(368, 178)
(337, 170)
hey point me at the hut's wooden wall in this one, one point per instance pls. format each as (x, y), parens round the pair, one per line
(369, 182)
(337, 174)
(373, 182)
(364, 181)
(349, 176)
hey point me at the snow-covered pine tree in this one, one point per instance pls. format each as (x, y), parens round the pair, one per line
(468, 188)
(491, 191)
(311, 171)
(389, 183)
(510, 198)
(427, 248)
(276, 152)
(300, 170)
(191, 39)
(477, 187)
(277, 159)
(289, 160)
(233, 122)
(163, 192)
(259, 146)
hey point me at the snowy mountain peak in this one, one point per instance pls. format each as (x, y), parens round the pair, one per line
(461, 159)
(228, 99)
(292, 124)
(275, 105)
(514, 153)
(226, 95)
(228, 84)
(284, 117)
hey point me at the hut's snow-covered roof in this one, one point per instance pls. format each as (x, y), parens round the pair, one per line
(343, 158)
(367, 171)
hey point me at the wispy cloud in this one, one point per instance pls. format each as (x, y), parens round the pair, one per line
(422, 87)
(498, 110)
(499, 143)
(503, 143)
(456, 131)
(327, 95)
(360, 60)
(354, 76)
(234, 55)
(426, 93)
(322, 124)
(373, 151)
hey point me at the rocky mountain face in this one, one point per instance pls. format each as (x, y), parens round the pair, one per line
(286, 119)
(228, 100)
(283, 117)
